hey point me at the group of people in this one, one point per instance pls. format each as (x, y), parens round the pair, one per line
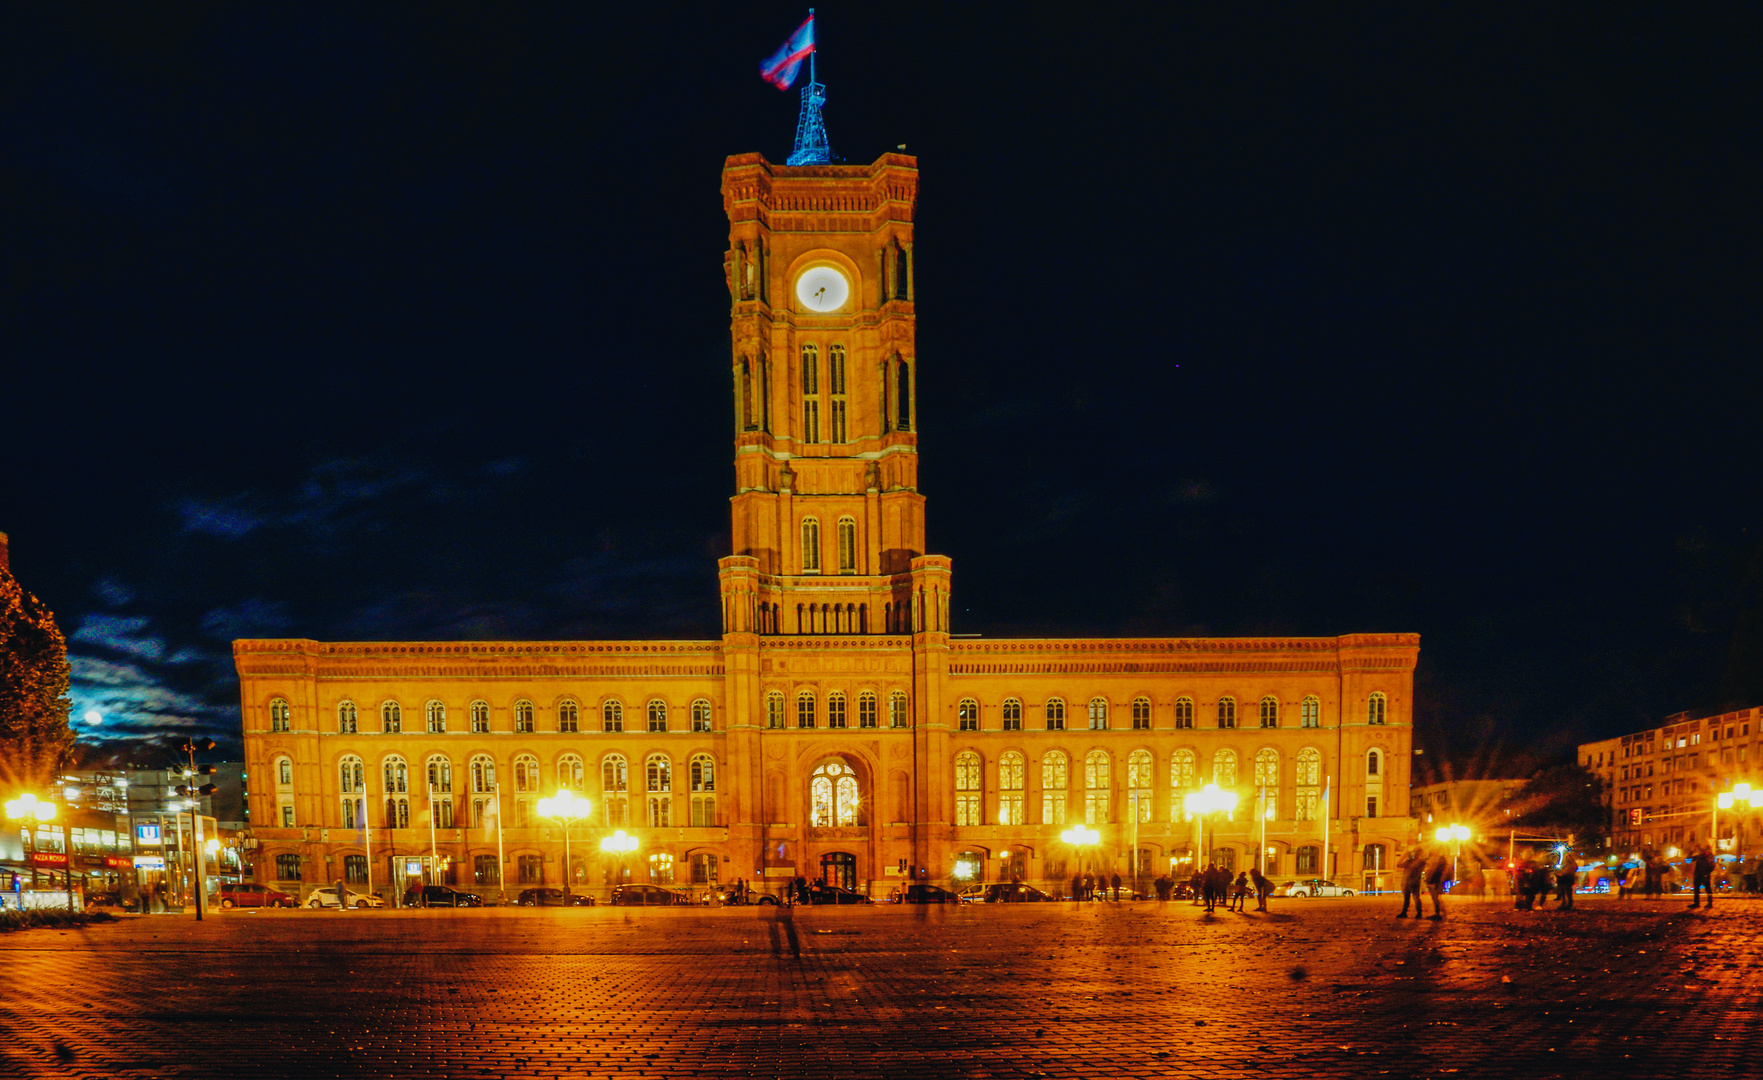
(1087, 886)
(1423, 870)
(1533, 882)
(1213, 886)
(1650, 877)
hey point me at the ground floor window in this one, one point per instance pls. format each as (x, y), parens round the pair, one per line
(287, 868)
(1054, 869)
(703, 811)
(661, 868)
(1225, 858)
(531, 869)
(486, 870)
(1306, 859)
(704, 869)
(355, 869)
(839, 868)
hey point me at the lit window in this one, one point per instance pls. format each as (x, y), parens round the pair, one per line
(835, 377)
(1181, 772)
(1098, 778)
(898, 715)
(968, 714)
(832, 796)
(1138, 784)
(569, 772)
(523, 716)
(526, 774)
(658, 777)
(967, 788)
(483, 774)
(774, 710)
(391, 718)
(1011, 714)
(437, 717)
(1224, 768)
(1010, 775)
(810, 393)
(612, 716)
(701, 715)
(1054, 785)
(614, 788)
(480, 717)
(279, 715)
(703, 780)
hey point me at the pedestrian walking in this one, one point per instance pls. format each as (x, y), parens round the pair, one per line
(1115, 881)
(1264, 888)
(1436, 872)
(1565, 879)
(1240, 892)
(1197, 887)
(1413, 869)
(1702, 877)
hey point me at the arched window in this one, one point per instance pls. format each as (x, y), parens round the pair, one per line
(284, 772)
(1098, 714)
(352, 782)
(1181, 772)
(569, 717)
(898, 716)
(967, 714)
(1010, 714)
(480, 717)
(569, 772)
(483, 774)
(280, 716)
(1055, 714)
(1270, 711)
(847, 545)
(1224, 768)
(1138, 784)
(1184, 712)
(774, 710)
(1311, 712)
(1377, 857)
(523, 717)
(1055, 783)
(397, 775)
(967, 788)
(1010, 779)
(526, 774)
(810, 393)
(658, 716)
(658, 777)
(1098, 778)
(832, 796)
(397, 784)
(1141, 714)
(1373, 762)
(391, 718)
(440, 791)
(701, 715)
(810, 545)
(1375, 708)
(903, 397)
(1267, 782)
(805, 709)
(614, 789)
(437, 717)
(1309, 778)
(866, 709)
(835, 709)
(1227, 712)
(346, 717)
(703, 775)
(612, 716)
(835, 378)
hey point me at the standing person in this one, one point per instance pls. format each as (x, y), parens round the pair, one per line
(1077, 887)
(1702, 877)
(1413, 868)
(1436, 872)
(1197, 886)
(1565, 879)
(1264, 887)
(1240, 892)
(1115, 881)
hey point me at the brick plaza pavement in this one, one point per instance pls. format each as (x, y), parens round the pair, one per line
(1315, 988)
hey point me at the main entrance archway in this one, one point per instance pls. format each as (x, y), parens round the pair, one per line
(839, 868)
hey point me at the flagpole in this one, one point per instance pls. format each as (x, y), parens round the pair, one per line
(434, 859)
(813, 52)
(1327, 782)
(367, 836)
(501, 885)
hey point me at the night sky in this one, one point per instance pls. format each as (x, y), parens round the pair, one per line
(389, 323)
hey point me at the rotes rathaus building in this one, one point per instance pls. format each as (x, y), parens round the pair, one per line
(836, 730)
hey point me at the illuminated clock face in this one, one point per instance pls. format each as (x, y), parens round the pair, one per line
(822, 288)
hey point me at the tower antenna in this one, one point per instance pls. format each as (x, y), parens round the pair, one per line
(811, 147)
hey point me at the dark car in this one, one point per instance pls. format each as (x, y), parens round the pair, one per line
(552, 898)
(819, 893)
(1014, 893)
(646, 896)
(441, 896)
(927, 894)
(251, 894)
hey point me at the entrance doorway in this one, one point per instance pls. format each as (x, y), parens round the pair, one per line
(839, 868)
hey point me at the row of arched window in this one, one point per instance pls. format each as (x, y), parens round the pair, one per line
(655, 715)
(1096, 713)
(846, 553)
(837, 711)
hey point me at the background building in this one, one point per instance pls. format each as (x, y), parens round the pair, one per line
(837, 730)
(1663, 783)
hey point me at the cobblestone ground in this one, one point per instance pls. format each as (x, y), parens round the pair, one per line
(1314, 988)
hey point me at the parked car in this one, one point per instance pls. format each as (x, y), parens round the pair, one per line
(1313, 887)
(924, 894)
(251, 894)
(973, 894)
(549, 897)
(819, 893)
(646, 896)
(1007, 892)
(736, 899)
(441, 896)
(326, 897)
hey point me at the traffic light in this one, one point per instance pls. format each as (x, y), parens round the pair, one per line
(182, 791)
(207, 789)
(203, 745)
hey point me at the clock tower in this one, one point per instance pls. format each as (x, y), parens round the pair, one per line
(828, 523)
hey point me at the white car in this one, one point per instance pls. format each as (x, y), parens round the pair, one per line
(327, 897)
(1316, 887)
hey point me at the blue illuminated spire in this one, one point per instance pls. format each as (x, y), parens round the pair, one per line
(811, 147)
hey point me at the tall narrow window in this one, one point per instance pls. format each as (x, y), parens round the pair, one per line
(1224, 768)
(810, 545)
(866, 709)
(1055, 714)
(703, 780)
(835, 709)
(1373, 763)
(437, 717)
(967, 713)
(569, 717)
(397, 785)
(480, 717)
(847, 545)
(1184, 712)
(526, 774)
(1098, 779)
(279, 715)
(967, 788)
(1055, 783)
(1375, 708)
(483, 774)
(1310, 715)
(1138, 784)
(835, 377)
(898, 715)
(1141, 714)
(612, 716)
(1267, 782)
(1270, 711)
(523, 717)
(701, 715)
(346, 717)
(1181, 774)
(391, 718)
(1227, 712)
(903, 396)
(1010, 773)
(810, 393)
(614, 790)
(657, 716)
(832, 796)
(805, 709)
(569, 772)
(774, 710)
(440, 790)
(658, 778)
(1098, 714)
(1010, 714)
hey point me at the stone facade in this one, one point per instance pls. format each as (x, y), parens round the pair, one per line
(837, 729)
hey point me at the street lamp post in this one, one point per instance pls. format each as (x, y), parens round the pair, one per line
(1726, 800)
(1453, 833)
(566, 807)
(28, 809)
(1080, 837)
(618, 845)
(1205, 803)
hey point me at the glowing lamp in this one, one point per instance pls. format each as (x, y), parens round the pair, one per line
(28, 807)
(564, 806)
(1210, 800)
(1081, 836)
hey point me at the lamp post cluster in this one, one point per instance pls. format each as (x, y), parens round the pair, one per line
(1726, 800)
(568, 808)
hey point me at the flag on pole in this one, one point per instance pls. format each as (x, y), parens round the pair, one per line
(781, 68)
